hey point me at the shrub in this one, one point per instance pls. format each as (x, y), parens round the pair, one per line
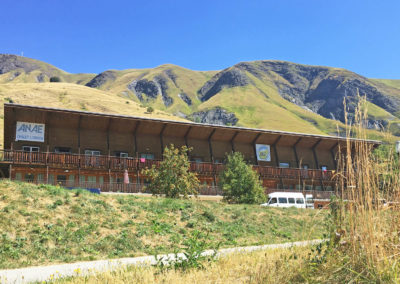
(55, 79)
(172, 177)
(150, 109)
(239, 182)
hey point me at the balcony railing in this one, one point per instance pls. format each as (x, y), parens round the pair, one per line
(132, 164)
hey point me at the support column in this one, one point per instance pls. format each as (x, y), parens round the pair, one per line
(79, 149)
(254, 142)
(210, 145)
(275, 150)
(298, 163)
(233, 141)
(186, 141)
(161, 139)
(333, 155)
(135, 137)
(316, 160)
(295, 152)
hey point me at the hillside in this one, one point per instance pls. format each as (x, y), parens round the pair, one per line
(47, 224)
(71, 96)
(262, 94)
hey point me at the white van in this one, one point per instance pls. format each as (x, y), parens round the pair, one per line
(286, 199)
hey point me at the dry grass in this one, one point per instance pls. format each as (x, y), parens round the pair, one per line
(272, 266)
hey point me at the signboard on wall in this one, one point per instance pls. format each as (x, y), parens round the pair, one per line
(263, 152)
(28, 131)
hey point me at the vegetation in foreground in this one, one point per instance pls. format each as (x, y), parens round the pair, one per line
(46, 224)
(271, 266)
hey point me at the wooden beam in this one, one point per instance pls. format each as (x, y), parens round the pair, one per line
(333, 154)
(108, 135)
(186, 135)
(210, 145)
(275, 150)
(315, 153)
(233, 141)
(79, 134)
(134, 136)
(295, 152)
(161, 138)
(254, 147)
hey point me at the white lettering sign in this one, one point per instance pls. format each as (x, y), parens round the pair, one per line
(263, 152)
(27, 131)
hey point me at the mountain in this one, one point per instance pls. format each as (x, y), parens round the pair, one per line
(261, 94)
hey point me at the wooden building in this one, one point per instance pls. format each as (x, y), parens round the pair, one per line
(93, 150)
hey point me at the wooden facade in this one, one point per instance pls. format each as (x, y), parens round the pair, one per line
(93, 150)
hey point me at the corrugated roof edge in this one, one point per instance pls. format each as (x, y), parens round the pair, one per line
(192, 123)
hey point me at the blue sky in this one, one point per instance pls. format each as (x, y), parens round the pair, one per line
(93, 36)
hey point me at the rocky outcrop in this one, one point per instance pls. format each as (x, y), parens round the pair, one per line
(228, 78)
(151, 89)
(320, 89)
(216, 116)
(40, 78)
(9, 62)
(101, 79)
(161, 81)
(185, 98)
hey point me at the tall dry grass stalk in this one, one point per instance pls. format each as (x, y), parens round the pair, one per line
(367, 228)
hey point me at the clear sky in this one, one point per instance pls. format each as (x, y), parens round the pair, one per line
(93, 36)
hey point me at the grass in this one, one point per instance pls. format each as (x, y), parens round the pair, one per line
(271, 266)
(45, 224)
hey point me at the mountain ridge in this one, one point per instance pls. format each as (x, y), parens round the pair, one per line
(270, 94)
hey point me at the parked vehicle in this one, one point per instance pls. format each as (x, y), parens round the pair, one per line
(286, 199)
(309, 201)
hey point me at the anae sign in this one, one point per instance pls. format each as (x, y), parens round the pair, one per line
(27, 131)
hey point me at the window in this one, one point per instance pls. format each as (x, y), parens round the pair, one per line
(18, 176)
(284, 165)
(291, 200)
(91, 179)
(328, 188)
(40, 178)
(298, 187)
(82, 180)
(309, 187)
(318, 187)
(324, 168)
(101, 179)
(218, 160)
(61, 179)
(30, 149)
(65, 150)
(273, 200)
(282, 200)
(147, 156)
(51, 179)
(29, 177)
(299, 201)
(92, 152)
(121, 154)
(305, 166)
(71, 180)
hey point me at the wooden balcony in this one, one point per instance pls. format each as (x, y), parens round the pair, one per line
(75, 161)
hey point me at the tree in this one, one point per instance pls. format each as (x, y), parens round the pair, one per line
(55, 79)
(150, 109)
(172, 176)
(239, 182)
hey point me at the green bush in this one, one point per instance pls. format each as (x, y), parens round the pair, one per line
(150, 109)
(239, 182)
(173, 177)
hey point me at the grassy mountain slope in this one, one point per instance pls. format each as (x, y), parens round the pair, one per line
(71, 96)
(263, 94)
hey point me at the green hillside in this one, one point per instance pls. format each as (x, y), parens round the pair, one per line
(273, 95)
(47, 224)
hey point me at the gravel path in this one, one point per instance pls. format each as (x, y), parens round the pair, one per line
(45, 273)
